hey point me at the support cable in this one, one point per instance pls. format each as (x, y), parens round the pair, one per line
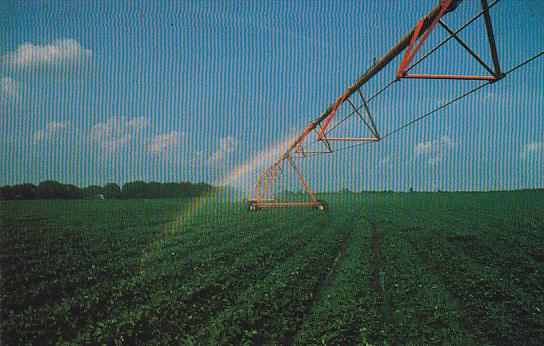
(378, 93)
(441, 106)
(361, 106)
(458, 98)
(451, 36)
(377, 67)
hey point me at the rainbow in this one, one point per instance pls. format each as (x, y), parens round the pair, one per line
(197, 205)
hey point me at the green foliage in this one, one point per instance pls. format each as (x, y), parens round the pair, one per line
(51, 189)
(377, 268)
(111, 191)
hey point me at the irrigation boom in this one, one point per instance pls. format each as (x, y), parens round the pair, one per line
(427, 22)
(262, 195)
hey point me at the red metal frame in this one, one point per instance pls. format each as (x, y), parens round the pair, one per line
(411, 43)
(445, 76)
(411, 51)
(259, 200)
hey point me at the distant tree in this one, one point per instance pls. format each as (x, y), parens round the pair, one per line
(111, 191)
(53, 189)
(186, 189)
(135, 189)
(25, 191)
(154, 190)
(202, 189)
(50, 189)
(6, 192)
(92, 191)
(171, 190)
(72, 192)
(411, 189)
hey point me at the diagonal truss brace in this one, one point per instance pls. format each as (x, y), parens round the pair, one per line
(411, 51)
(410, 43)
(260, 196)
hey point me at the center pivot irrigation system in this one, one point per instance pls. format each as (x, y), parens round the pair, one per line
(353, 103)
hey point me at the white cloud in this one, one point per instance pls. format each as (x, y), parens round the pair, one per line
(116, 133)
(385, 162)
(50, 131)
(8, 86)
(164, 142)
(224, 148)
(138, 123)
(28, 54)
(531, 149)
(434, 146)
(434, 150)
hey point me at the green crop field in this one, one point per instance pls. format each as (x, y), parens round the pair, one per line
(377, 268)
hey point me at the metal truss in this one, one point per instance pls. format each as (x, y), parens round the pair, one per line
(262, 195)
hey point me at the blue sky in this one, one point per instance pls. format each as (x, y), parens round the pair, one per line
(113, 91)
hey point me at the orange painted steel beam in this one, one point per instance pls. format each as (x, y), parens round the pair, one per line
(270, 178)
(444, 76)
(410, 53)
(408, 56)
(304, 182)
(329, 118)
(296, 145)
(423, 27)
(284, 204)
(370, 139)
(375, 68)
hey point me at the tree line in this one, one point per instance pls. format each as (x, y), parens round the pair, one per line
(51, 189)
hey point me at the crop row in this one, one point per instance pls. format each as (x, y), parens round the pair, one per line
(494, 287)
(272, 310)
(176, 308)
(348, 310)
(117, 295)
(377, 268)
(452, 272)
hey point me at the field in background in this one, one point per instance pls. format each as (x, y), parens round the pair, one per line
(421, 268)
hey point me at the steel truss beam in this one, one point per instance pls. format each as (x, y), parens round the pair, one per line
(410, 44)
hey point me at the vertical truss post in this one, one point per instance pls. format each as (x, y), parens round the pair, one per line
(423, 26)
(410, 53)
(491, 38)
